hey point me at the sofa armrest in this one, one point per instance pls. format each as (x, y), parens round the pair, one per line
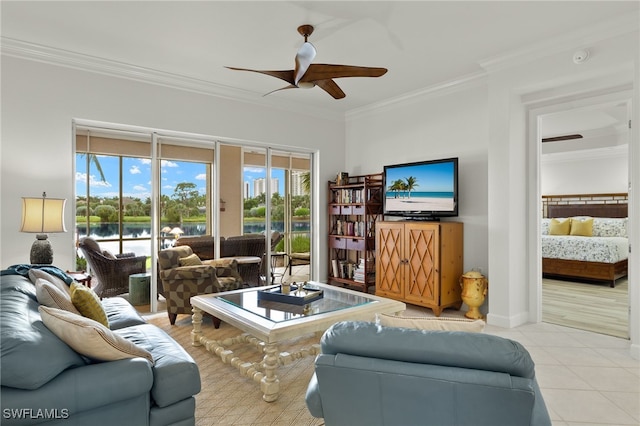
(313, 398)
(86, 388)
(188, 272)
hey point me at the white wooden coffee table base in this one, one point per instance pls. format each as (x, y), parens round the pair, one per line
(263, 372)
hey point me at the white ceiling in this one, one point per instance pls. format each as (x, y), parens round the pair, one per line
(423, 43)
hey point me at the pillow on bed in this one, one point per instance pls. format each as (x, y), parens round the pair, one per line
(582, 227)
(559, 226)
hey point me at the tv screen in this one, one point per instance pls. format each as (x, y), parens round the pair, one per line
(424, 189)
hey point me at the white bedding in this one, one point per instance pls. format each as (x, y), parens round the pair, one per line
(589, 249)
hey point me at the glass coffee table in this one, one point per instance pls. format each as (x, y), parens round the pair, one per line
(267, 322)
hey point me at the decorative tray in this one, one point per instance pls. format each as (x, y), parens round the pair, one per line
(296, 296)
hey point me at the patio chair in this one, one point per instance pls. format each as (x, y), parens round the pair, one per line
(183, 278)
(111, 271)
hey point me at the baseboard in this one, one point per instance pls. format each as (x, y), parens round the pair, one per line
(508, 322)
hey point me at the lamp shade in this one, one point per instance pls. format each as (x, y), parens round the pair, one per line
(43, 215)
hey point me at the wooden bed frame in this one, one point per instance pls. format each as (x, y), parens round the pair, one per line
(593, 271)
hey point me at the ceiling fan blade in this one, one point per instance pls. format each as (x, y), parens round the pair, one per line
(328, 71)
(282, 75)
(304, 57)
(291, 86)
(331, 88)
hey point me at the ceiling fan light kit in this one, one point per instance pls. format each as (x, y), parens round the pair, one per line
(307, 75)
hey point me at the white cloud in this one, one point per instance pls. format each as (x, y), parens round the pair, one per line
(135, 170)
(82, 177)
(145, 161)
(201, 176)
(254, 169)
(140, 188)
(167, 163)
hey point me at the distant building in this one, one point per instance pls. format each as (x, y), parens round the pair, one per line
(260, 187)
(296, 183)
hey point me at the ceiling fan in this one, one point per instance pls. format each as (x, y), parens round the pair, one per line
(307, 75)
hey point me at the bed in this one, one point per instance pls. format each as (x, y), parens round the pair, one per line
(601, 257)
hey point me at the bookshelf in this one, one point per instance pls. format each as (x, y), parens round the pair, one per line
(355, 205)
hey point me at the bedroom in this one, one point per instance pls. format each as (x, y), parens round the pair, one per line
(584, 171)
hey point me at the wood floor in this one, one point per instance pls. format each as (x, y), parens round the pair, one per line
(587, 306)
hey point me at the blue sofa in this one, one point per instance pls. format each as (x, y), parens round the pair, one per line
(46, 382)
(373, 375)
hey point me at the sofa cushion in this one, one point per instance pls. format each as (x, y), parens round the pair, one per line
(176, 375)
(121, 313)
(88, 303)
(51, 296)
(34, 274)
(191, 260)
(430, 323)
(89, 337)
(31, 354)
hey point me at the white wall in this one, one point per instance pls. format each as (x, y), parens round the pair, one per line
(487, 127)
(431, 127)
(585, 173)
(39, 102)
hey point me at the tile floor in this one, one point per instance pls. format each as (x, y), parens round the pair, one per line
(585, 378)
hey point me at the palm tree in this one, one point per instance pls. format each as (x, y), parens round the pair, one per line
(396, 186)
(305, 181)
(412, 183)
(93, 158)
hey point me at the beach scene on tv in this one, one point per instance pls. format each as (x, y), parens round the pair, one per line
(420, 187)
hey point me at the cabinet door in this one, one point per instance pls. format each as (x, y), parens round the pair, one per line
(421, 247)
(390, 259)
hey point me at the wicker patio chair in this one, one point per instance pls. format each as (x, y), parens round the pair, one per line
(111, 271)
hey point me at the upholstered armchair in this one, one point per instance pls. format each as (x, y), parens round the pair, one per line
(184, 275)
(111, 271)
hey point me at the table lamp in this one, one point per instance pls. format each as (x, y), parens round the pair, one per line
(42, 215)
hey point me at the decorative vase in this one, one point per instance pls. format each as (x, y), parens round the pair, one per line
(474, 289)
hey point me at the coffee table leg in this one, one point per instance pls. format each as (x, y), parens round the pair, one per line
(270, 384)
(196, 320)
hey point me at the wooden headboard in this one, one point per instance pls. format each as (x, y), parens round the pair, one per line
(594, 210)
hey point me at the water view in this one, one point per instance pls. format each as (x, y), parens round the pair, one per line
(105, 231)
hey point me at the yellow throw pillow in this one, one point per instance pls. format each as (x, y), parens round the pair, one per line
(191, 260)
(89, 337)
(88, 303)
(430, 323)
(582, 227)
(559, 227)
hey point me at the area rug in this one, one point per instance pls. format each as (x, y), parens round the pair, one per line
(227, 398)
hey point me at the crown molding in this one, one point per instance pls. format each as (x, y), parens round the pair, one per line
(64, 58)
(440, 89)
(575, 39)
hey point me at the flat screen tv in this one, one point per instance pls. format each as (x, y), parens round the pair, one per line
(425, 190)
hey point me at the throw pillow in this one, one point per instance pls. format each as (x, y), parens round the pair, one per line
(51, 296)
(108, 254)
(582, 227)
(559, 226)
(35, 273)
(429, 323)
(88, 303)
(90, 338)
(191, 260)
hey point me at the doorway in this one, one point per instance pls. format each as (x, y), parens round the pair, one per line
(583, 154)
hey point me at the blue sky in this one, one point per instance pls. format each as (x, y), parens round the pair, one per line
(137, 176)
(436, 177)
